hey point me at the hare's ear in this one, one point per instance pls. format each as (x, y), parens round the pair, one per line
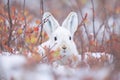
(50, 23)
(71, 22)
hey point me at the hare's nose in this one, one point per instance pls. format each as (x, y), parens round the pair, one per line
(64, 47)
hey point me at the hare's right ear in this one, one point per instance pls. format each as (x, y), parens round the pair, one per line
(50, 23)
(71, 22)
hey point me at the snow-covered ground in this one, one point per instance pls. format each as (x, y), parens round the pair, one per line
(13, 67)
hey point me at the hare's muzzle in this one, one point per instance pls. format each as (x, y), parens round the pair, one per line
(64, 47)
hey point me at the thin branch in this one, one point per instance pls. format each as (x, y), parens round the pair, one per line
(18, 36)
(1, 46)
(41, 12)
(10, 22)
(108, 28)
(25, 22)
(5, 17)
(93, 19)
(99, 29)
(83, 20)
(44, 21)
(84, 25)
(103, 37)
(48, 51)
(86, 31)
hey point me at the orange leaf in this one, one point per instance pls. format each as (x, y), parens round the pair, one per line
(117, 10)
(26, 12)
(92, 42)
(20, 31)
(13, 17)
(36, 57)
(13, 9)
(29, 18)
(36, 28)
(37, 22)
(22, 18)
(1, 20)
(29, 30)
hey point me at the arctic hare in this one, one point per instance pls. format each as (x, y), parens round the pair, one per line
(60, 36)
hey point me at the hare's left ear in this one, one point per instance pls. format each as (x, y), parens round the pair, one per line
(71, 22)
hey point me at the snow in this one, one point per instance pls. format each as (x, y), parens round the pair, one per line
(5, 53)
(13, 66)
(64, 70)
(9, 61)
(110, 21)
(102, 74)
(40, 72)
(96, 55)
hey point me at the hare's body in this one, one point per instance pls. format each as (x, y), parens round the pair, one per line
(61, 37)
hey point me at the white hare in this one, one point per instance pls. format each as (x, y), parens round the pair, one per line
(61, 36)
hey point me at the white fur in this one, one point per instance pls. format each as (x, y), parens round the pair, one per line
(62, 33)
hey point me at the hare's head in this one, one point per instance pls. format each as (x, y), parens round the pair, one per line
(61, 36)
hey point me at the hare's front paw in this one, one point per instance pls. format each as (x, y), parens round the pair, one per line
(41, 50)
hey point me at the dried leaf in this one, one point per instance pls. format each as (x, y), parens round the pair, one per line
(20, 31)
(38, 22)
(36, 28)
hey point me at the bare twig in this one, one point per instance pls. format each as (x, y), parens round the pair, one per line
(86, 31)
(107, 28)
(100, 27)
(84, 25)
(103, 37)
(15, 38)
(48, 51)
(44, 21)
(24, 19)
(41, 12)
(83, 20)
(93, 19)
(1, 46)
(25, 24)
(41, 25)
(5, 17)
(10, 21)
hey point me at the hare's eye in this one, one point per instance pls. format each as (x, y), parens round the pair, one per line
(69, 37)
(55, 38)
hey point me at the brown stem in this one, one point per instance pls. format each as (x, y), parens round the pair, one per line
(107, 28)
(41, 12)
(25, 22)
(10, 22)
(85, 27)
(86, 31)
(1, 47)
(5, 17)
(100, 27)
(103, 37)
(93, 19)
